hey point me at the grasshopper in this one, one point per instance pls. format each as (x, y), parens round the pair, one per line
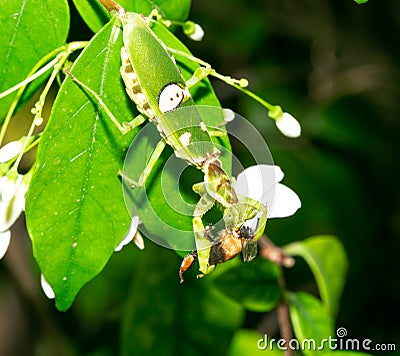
(155, 84)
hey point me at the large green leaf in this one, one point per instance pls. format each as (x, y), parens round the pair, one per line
(163, 317)
(311, 323)
(328, 261)
(254, 285)
(23, 43)
(75, 211)
(95, 16)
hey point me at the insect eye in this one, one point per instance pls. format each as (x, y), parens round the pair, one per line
(171, 96)
(246, 232)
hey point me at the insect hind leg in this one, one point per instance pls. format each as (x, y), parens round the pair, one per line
(125, 127)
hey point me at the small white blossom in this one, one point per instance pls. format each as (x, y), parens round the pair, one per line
(229, 115)
(288, 125)
(198, 33)
(46, 288)
(261, 183)
(193, 30)
(11, 150)
(4, 242)
(12, 203)
(132, 234)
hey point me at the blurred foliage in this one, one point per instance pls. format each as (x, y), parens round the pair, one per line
(335, 66)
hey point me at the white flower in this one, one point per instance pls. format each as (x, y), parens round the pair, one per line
(11, 150)
(46, 288)
(4, 242)
(193, 30)
(261, 183)
(132, 234)
(12, 203)
(288, 125)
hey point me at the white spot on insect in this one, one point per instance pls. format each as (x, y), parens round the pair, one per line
(74, 244)
(185, 138)
(203, 126)
(171, 96)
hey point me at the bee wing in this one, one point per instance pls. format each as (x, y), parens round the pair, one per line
(249, 250)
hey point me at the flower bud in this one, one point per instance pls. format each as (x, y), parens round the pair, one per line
(193, 31)
(288, 125)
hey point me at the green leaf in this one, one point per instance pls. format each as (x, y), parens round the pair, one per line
(75, 211)
(254, 285)
(311, 323)
(361, 1)
(23, 44)
(249, 343)
(163, 317)
(95, 16)
(328, 261)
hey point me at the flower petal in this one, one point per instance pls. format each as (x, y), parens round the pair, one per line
(257, 182)
(130, 234)
(13, 205)
(47, 288)
(4, 242)
(9, 187)
(285, 203)
(10, 150)
(138, 240)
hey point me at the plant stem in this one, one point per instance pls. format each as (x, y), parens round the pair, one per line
(275, 254)
(285, 327)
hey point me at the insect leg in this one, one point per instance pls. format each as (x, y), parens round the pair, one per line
(149, 167)
(203, 245)
(124, 127)
(206, 70)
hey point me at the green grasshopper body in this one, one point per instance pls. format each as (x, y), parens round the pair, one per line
(155, 84)
(157, 87)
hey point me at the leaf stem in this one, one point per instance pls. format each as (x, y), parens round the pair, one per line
(35, 73)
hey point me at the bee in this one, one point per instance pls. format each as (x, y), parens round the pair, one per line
(227, 245)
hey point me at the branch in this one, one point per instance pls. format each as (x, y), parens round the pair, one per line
(111, 5)
(273, 253)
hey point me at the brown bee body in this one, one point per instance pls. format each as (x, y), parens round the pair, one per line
(229, 245)
(226, 246)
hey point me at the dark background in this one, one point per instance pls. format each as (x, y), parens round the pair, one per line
(334, 65)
